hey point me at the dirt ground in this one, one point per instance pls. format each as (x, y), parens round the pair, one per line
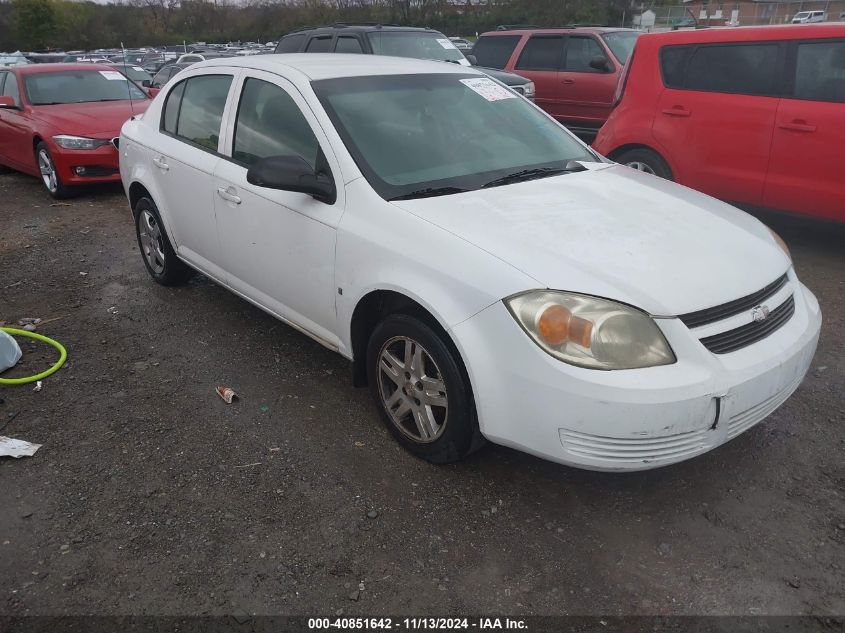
(151, 496)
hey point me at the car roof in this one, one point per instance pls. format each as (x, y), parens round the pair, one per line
(34, 69)
(747, 33)
(361, 28)
(561, 29)
(318, 66)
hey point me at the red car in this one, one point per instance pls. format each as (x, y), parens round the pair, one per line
(751, 115)
(61, 122)
(575, 70)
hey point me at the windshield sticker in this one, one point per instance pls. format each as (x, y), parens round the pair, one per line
(488, 89)
(445, 43)
(112, 75)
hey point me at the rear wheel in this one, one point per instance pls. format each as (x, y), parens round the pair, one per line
(50, 175)
(421, 390)
(647, 161)
(159, 257)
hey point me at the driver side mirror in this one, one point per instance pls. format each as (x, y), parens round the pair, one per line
(472, 59)
(8, 103)
(292, 173)
(601, 64)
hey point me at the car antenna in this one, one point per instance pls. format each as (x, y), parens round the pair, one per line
(128, 87)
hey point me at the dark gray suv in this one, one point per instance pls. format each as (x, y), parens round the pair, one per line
(398, 41)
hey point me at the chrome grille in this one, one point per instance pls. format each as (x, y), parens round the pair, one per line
(745, 335)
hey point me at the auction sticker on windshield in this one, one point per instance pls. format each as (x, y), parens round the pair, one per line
(488, 89)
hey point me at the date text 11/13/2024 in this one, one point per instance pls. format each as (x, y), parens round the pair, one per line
(420, 623)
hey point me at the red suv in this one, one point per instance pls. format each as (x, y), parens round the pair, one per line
(575, 70)
(751, 115)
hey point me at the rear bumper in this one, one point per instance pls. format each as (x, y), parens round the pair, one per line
(631, 419)
(96, 166)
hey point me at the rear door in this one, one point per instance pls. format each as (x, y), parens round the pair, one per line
(805, 170)
(540, 61)
(716, 115)
(586, 92)
(183, 161)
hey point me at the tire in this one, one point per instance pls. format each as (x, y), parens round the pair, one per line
(409, 400)
(157, 253)
(647, 161)
(49, 176)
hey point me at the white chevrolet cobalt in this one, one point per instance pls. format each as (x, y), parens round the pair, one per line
(488, 274)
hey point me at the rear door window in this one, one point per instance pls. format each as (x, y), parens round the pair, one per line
(673, 64)
(348, 45)
(319, 44)
(494, 51)
(820, 71)
(749, 69)
(541, 53)
(201, 109)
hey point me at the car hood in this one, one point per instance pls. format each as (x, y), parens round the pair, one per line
(617, 233)
(89, 119)
(509, 79)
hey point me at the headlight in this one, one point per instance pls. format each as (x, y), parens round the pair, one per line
(529, 89)
(78, 142)
(779, 241)
(591, 332)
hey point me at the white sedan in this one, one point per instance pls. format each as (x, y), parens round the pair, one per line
(488, 275)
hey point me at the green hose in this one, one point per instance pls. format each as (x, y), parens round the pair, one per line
(43, 374)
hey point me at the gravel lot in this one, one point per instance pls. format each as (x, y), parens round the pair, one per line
(152, 496)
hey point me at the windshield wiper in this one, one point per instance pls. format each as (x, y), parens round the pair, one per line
(531, 174)
(429, 192)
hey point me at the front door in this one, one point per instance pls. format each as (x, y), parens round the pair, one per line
(278, 247)
(540, 61)
(15, 136)
(586, 92)
(805, 170)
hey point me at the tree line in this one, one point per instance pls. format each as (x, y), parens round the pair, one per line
(37, 25)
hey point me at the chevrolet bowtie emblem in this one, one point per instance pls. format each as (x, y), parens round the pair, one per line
(760, 313)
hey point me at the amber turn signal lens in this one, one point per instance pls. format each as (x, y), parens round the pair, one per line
(557, 325)
(553, 325)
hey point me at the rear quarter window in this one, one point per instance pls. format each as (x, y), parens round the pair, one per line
(494, 51)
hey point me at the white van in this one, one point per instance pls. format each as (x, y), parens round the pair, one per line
(805, 17)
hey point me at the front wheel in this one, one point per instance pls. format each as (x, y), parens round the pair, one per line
(50, 175)
(647, 161)
(421, 390)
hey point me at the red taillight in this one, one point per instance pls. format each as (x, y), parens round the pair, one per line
(623, 79)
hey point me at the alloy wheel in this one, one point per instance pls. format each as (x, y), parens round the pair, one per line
(412, 390)
(641, 166)
(48, 171)
(149, 234)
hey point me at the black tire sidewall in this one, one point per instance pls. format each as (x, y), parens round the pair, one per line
(175, 270)
(461, 426)
(650, 158)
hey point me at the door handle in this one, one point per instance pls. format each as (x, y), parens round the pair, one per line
(798, 125)
(229, 195)
(568, 81)
(677, 111)
(161, 163)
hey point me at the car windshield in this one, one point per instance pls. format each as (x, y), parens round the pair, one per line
(435, 134)
(417, 44)
(80, 86)
(621, 43)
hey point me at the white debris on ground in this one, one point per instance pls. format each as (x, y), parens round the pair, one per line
(10, 447)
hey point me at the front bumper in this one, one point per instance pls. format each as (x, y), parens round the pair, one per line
(100, 165)
(631, 419)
